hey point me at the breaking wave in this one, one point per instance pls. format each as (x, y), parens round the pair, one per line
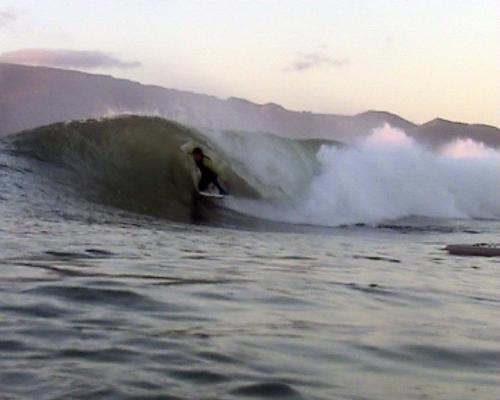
(143, 163)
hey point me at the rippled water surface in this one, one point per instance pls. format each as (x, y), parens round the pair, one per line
(100, 303)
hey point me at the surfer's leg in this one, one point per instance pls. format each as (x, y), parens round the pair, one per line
(203, 184)
(223, 191)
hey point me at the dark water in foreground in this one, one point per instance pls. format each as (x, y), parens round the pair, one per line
(173, 311)
(98, 303)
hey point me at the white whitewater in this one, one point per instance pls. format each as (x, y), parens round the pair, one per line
(387, 176)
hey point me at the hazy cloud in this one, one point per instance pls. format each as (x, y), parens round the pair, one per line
(6, 17)
(305, 61)
(66, 59)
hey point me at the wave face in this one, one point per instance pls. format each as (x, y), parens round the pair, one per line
(143, 164)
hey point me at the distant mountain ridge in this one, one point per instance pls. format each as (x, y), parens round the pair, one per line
(440, 131)
(35, 96)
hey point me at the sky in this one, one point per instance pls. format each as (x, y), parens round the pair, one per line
(420, 59)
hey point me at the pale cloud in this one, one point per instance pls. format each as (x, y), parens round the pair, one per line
(306, 61)
(7, 17)
(66, 58)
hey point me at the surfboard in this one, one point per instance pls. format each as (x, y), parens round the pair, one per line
(211, 195)
(478, 249)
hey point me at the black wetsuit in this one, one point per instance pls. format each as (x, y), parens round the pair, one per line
(208, 176)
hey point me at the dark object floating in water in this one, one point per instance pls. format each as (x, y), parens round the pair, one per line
(273, 390)
(478, 249)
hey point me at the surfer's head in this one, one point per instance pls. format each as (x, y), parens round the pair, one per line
(197, 154)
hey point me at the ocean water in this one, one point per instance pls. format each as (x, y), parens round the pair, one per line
(112, 291)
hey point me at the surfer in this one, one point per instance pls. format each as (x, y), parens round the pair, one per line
(208, 175)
